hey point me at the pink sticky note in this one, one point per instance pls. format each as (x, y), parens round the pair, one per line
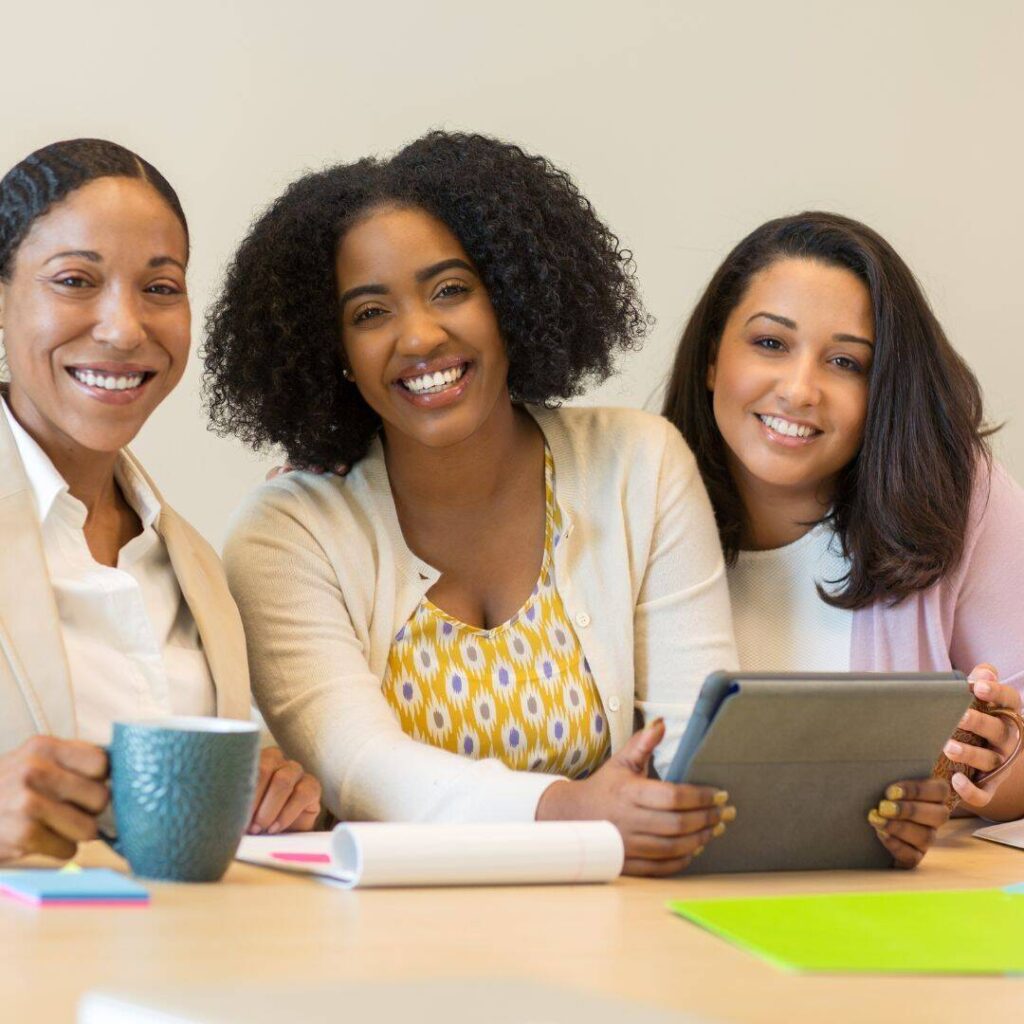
(303, 858)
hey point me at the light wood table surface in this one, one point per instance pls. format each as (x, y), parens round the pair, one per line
(264, 927)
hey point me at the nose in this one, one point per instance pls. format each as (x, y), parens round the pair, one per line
(119, 321)
(799, 386)
(421, 331)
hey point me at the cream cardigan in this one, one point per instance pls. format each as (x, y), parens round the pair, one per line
(324, 580)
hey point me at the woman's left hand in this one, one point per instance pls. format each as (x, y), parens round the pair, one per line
(907, 820)
(999, 733)
(287, 798)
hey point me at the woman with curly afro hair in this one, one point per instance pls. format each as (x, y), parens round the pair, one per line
(463, 626)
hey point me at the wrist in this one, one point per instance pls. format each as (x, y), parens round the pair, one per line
(556, 802)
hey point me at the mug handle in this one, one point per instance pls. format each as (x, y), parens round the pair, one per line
(1015, 753)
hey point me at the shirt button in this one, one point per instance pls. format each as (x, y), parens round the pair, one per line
(582, 620)
(613, 704)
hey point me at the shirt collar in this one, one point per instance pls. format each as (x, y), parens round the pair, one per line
(48, 485)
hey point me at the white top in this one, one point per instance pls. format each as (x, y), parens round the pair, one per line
(324, 580)
(132, 645)
(781, 622)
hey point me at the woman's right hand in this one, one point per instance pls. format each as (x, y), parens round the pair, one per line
(50, 793)
(664, 825)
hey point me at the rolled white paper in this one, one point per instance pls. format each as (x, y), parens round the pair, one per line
(390, 854)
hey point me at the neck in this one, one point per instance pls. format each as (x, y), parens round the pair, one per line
(466, 474)
(89, 474)
(777, 516)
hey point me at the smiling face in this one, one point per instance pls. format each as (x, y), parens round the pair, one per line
(419, 333)
(96, 316)
(790, 379)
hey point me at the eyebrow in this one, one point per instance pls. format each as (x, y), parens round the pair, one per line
(421, 275)
(791, 324)
(95, 257)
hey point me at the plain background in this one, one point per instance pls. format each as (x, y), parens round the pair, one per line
(686, 123)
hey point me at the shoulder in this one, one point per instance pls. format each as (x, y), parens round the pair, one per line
(997, 505)
(614, 437)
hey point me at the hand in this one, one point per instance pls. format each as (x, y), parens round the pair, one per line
(340, 470)
(287, 798)
(664, 825)
(50, 793)
(908, 818)
(999, 733)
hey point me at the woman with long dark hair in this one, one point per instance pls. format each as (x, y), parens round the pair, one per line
(467, 625)
(865, 525)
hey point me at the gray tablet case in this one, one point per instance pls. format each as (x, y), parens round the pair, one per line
(804, 757)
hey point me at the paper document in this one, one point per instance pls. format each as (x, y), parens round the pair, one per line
(1009, 832)
(966, 931)
(394, 854)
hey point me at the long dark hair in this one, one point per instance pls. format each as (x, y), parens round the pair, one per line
(901, 505)
(52, 173)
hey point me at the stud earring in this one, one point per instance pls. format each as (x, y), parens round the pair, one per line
(347, 374)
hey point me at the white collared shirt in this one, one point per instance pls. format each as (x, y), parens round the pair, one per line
(132, 645)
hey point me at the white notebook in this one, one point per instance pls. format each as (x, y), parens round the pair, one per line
(1010, 833)
(368, 854)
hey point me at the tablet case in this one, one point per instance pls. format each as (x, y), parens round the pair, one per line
(804, 757)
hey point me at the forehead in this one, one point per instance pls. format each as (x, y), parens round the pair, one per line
(811, 293)
(112, 216)
(393, 243)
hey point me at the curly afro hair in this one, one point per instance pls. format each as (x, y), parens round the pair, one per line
(561, 285)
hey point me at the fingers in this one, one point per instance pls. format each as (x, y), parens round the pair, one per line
(989, 727)
(982, 758)
(24, 837)
(638, 866)
(300, 809)
(47, 778)
(64, 819)
(677, 796)
(994, 692)
(648, 847)
(968, 792)
(638, 749)
(903, 854)
(74, 755)
(682, 823)
(277, 782)
(930, 790)
(912, 834)
(931, 815)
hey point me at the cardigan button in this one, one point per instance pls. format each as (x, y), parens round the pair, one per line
(582, 620)
(613, 704)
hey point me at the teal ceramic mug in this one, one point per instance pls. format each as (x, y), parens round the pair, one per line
(182, 791)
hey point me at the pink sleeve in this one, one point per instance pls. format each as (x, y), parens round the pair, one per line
(988, 619)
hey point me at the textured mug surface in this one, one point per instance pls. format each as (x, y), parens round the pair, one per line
(182, 790)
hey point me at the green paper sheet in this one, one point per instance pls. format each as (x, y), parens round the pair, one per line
(974, 931)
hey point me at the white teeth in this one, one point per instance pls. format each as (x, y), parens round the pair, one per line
(431, 383)
(784, 427)
(108, 381)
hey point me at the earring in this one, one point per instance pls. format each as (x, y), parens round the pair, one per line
(347, 374)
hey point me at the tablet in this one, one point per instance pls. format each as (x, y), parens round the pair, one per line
(804, 757)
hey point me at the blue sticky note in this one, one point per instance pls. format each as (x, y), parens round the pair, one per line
(1018, 888)
(88, 887)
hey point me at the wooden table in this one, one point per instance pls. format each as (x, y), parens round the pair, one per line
(266, 927)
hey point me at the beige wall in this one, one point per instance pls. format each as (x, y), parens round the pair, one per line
(687, 123)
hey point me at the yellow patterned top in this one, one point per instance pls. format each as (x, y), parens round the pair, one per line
(521, 692)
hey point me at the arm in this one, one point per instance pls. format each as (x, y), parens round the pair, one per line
(682, 622)
(322, 701)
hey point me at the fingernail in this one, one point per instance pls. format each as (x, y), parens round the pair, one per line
(728, 814)
(982, 690)
(894, 792)
(953, 749)
(718, 830)
(721, 797)
(887, 809)
(959, 780)
(656, 723)
(875, 819)
(254, 830)
(698, 851)
(274, 829)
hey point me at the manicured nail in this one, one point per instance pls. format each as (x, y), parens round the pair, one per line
(274, 829)
(728, 814)
(718, 830)
(656, 723)
(698, 851)
(254, 830)
(894, 792)
(959, 780)
(875, 819)
(721, 797)
(887, 809)
(952, 748)
(982, 689)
